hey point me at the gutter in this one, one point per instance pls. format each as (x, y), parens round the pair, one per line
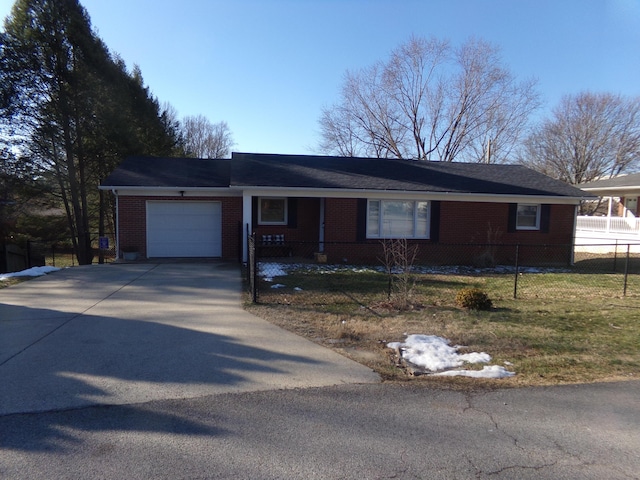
(237, 190)
(413, 194)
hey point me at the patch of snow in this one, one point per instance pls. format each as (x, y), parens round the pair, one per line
(269, 270)
(436, 355)
(30, 272)
(488, 371)
(297, 289)
(475, 357)
(278, 285)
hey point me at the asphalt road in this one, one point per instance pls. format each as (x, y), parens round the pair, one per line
(373, 431)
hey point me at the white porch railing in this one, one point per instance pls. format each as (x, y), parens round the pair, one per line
(626, 225)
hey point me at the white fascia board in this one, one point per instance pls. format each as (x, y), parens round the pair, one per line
(174, 191)
(412, 195)
(238, 191)
(612, 191)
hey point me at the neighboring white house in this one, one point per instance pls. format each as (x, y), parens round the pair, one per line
(621, 225)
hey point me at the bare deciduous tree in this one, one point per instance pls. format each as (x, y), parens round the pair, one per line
(430, 101)
(399, 258)
(589, 136)
(204, 139)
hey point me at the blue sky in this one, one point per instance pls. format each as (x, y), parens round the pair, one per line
(268, 67)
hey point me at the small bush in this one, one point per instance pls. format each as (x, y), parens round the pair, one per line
(473, 299)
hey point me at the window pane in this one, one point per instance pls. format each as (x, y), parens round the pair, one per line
(273, 210)
(397, 219)
(527, 216)
(422, 219)
(373, 219)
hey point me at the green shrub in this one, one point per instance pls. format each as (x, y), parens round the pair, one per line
(473, 299)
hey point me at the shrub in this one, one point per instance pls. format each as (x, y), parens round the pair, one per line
(398, 260)
(473, 299)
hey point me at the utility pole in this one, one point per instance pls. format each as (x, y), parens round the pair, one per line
(488, 153)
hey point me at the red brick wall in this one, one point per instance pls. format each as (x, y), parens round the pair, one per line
(303, 228)
(471, 222)
(133, 222)
(340, 220)
(231, 227)
(307, 223)
(460, 223)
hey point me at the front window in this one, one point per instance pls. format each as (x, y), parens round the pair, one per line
(397, 219)
(272, 211)
(528, 217)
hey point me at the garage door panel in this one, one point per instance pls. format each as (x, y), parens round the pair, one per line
(184, 229)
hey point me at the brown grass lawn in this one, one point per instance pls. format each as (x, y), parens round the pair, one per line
(562, 328)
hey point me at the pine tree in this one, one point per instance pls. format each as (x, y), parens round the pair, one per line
(72, 109)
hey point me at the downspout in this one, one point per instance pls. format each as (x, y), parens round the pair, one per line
(115, 193)
(572, 257)
(247, 227)
(321, 239)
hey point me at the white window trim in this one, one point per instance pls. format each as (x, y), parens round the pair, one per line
(415, 219)
(286, 211)
(538, 210)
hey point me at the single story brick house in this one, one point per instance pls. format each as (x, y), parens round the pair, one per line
(186, 207)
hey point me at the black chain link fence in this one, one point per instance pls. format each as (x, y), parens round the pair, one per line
(365, 273)
(17, 256)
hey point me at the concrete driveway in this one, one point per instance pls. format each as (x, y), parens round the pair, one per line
(123, 334)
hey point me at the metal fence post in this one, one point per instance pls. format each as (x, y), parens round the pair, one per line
(515, 280)
(626, 271)
(252, 266)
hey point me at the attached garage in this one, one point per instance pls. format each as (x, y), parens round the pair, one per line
(184, 229)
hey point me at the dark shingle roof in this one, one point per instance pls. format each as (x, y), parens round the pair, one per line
(632, 180)
(296, 171)
(169, 172)
(318, 172)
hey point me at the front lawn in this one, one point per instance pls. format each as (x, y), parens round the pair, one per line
(563, 328)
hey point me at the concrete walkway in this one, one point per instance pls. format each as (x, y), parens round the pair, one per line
(124, 334)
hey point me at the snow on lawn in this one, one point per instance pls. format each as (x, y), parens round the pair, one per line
(436, 355)
(269, 270)
(488, 371)
(30, 272)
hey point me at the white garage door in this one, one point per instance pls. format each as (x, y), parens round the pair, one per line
(184, 229)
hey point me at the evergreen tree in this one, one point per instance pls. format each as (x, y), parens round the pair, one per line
(71, 109)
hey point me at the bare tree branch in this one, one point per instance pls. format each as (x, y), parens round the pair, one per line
(588, 136)
(429, 101)
(204, 139)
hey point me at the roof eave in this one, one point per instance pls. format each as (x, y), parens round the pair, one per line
(613, 189)
(170, 191)
(409, 194)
